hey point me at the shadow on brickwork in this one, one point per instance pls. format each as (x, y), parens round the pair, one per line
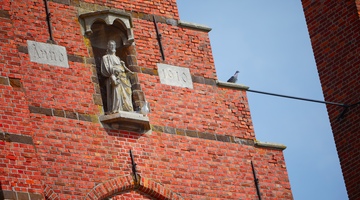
(1, 192)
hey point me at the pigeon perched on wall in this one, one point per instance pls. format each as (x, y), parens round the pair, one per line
(145, 109)
(233, 79)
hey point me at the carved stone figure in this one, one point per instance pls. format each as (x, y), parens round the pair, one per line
(118, 86)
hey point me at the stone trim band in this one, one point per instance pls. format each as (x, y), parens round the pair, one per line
(217, 137)
(10, 137)
(14, 195)
(163, 129)
(64, 113)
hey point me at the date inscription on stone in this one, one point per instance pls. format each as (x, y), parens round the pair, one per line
(50, 54)
(174, 76)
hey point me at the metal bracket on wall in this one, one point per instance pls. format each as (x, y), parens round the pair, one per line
(48, 17)
(256, 180)
(158, 37)
(133, 167)
(346, 109)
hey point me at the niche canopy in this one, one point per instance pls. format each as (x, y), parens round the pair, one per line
(104, 24)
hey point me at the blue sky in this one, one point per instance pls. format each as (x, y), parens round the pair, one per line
(268, 42)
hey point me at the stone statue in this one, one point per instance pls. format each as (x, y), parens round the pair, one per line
(118, 86)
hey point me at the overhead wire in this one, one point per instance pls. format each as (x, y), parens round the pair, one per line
(341, 115)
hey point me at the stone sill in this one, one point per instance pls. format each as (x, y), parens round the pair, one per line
(194, 26)
(232, 85)
(270, 145)
(128, 121)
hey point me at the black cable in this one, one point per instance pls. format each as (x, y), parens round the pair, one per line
(302, 99)
(341, 115)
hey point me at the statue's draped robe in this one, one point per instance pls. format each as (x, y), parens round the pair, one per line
(118, 87)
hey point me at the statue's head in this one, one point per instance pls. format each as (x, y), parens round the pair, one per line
(111, 47)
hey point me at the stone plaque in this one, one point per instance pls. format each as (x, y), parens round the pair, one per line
(47, 54)
(174, 76)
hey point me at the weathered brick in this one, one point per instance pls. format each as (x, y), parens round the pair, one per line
(35, 196)
(75, 58)
(97, 99)
(223, 138)
(169, 130)
(71, 115)
(22, 196)
(4, 80)
(20, 139)
(157, 128)
(198, 79)
(180, 132)
(192, 133)
(210, 81)
(59, 113)
(84, 117)
(40, 110)
(8, 194)
(23, 49)
(336, 48)
(207, 136)
(149, 71)
(15, 82)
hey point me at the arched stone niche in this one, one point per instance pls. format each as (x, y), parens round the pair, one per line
(109, 17)
(100, 27)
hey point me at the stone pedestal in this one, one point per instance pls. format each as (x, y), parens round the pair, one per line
(128, 121)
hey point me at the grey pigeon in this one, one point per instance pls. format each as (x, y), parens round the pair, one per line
(233, 79)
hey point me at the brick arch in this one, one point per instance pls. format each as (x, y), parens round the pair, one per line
(126, 183)
(50, 194)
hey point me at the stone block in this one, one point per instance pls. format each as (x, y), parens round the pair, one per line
(15, 82)
(126, 121)
(71, 115)
(192, 133)
(4, 80)
(50, 54)
(40, 110)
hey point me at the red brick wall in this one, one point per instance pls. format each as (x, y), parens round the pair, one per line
(334, 29)
(53, 146)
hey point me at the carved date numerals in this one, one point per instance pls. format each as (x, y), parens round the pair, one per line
(175, 76)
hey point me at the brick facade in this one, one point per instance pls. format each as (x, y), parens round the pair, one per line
(53, 146)
(334, 29)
